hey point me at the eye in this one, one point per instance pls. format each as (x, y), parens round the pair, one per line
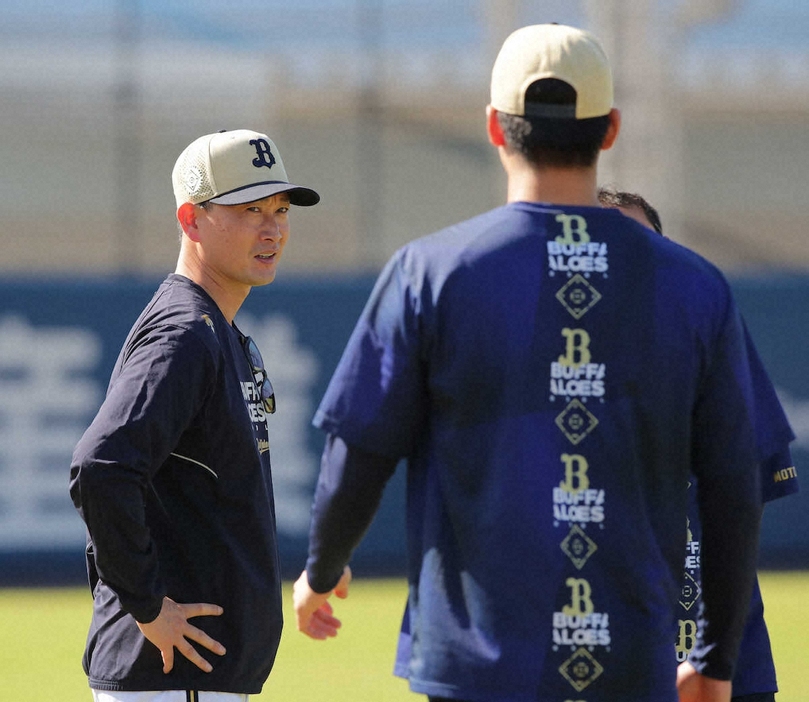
(283, 210)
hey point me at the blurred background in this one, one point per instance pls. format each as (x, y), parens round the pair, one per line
(379, 105)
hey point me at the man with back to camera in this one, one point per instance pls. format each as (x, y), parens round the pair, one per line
(173, 475)
(552, 372)
(754, 680)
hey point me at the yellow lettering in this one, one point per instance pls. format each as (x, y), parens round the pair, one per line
(574, 230)
(686, 636)
(581, 601)
(577, 348)
(576, 478)
(784, 474)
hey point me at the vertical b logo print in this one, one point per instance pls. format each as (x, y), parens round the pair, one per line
(574, 230)
(581, 598)
(264, 156)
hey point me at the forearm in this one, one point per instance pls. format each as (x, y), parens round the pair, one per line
(729, 554)
(110, 499)
(153, 398)
(346, 499)
(729, 494)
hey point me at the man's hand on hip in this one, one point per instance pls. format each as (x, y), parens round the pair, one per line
(172, 630)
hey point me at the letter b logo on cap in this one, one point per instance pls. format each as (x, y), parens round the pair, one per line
(264, 156)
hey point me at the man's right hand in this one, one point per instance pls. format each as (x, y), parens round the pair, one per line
(313, 612)
(171, 630)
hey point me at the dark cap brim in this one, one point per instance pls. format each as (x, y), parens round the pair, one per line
(298, 195)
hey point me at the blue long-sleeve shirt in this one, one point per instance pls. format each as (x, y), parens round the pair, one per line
(173, 481)
(755, 669)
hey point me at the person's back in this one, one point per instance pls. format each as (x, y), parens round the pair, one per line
(551, 371)
(555, 446)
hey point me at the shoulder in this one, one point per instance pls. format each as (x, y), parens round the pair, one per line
(672, 256)
(180, 301)
(687, 284)
(180, 315)
(433, 258)
(484, 230)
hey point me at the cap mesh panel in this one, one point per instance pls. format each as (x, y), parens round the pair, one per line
(194, 177)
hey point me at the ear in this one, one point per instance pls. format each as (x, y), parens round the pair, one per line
(187, 217)
(612, 130)
(493, 128)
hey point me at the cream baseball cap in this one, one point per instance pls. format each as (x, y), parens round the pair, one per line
(234, 167)
(552, 51)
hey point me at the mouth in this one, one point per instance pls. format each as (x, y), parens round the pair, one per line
(266, 256)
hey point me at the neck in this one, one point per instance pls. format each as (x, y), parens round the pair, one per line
(558, 186)
(228, 296)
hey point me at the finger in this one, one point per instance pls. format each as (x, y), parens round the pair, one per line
(313, 634)
(200, 609)
(319, 630)
(324, 615)
(318, 624)
(324, 623)
(168, 659)
(193, 655)
(304, 620)
(204, 640)
(342, 586)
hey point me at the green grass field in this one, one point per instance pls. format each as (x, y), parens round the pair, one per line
(42, 636)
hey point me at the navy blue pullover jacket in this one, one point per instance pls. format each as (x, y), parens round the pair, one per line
(173, 481)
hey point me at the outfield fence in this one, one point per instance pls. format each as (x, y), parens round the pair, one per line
(59, 341)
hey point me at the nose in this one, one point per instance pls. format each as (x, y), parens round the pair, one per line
(271, 229)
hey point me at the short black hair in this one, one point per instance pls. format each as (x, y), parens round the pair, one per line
(562, 142)
(611, 197)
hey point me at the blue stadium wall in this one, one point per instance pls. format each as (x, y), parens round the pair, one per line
(59, 340)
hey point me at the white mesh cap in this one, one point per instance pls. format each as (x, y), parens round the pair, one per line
(552, 51)
(233, 167)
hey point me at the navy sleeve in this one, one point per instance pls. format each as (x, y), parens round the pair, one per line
(779, 476)
(377, 396)
(729, 497)
(346, 499)
(160, 388)
(773, 432)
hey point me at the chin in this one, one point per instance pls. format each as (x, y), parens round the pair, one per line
(265, 279)
(259, 282)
